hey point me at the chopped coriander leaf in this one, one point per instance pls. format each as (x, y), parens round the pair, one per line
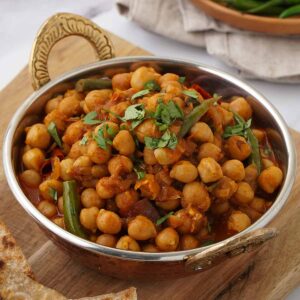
(84, 140)
(139, 168)
(140, 94)
(191, 93)
(53, 132)
(114, 114)
(100, 140)
(239, 129)
(134, 112)
(207, 243)
(182, 79)
(111, 131)
(164, 218)
(123, 127)
(168, 139)
(53, 194)
(140, 173)
(166, 114)
(89, 118)
(152, 85)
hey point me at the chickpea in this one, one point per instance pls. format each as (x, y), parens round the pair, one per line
(107, 240)
(77, 150)
(184, 171)
(108, 222)
(126, 200)
(99, 171)
(120, 164)
(66, 168)
(104, 189)
(148, 186)
(141, 228)
(168, 205)
(128, 243)
(60, 204)
(73, 133)
(244, 193)
(220, 208)
(33, 159)
(242, 107)
(69, 106)
(210, 150)
(238, 148)
(251, 174)
(97, 154)
(227, 116)
(38, 136)
(166, 156)
(47, 208)
(110, 129)
(168, 77)
(202, 133)
(234, 169)
(238, 221)
(90, 198)
(142, 75)
(188, 242)
(147, 128)
(95, 99)
(46, 186)
(150, 248)
(82, 166)
(187, 220)
(225, 189)
(121, 81)
(258, 204)
(56, 117)
(259, 134)
(31, 178)
(270, 179)
(172, 87)
(209, 170)
(167, 239)
(52, 104)
(59, 222)
(74, 93)
(149, 157)
(124, 143)
(88, 217)
(26, 148)
(266, 163)
(196, 195)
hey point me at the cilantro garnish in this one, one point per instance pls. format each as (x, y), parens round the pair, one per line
(140, 94)
(164, 218)
(191, 93)
(181, 79)
(53, 132)
(152, 85)
(84, 140)
(89, 118)
(168, 139)
(53, 194)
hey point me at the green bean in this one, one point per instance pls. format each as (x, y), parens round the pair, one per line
(244, 5)
(265, 6)
(71, 209)
(194, 116)
(89, 84)
(291, 11)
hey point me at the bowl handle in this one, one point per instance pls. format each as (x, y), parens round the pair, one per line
(233, 247)
(57, 27)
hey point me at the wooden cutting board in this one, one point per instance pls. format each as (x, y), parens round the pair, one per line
(270, 274)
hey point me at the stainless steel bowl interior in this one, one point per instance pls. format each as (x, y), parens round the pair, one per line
(212, 80)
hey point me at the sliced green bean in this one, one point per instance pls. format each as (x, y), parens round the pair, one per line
(194, 116)
(291, 11)
(89, 84)
(265, 6)
(71, 209)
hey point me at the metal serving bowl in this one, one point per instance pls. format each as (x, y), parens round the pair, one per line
(128, 264)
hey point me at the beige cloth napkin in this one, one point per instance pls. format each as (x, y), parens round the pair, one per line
(254, 55)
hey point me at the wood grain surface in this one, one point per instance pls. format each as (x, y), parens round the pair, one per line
(270, 274)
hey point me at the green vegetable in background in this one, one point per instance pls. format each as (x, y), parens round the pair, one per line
(89, 84)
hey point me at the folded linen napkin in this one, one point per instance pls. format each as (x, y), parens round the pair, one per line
(255, 55)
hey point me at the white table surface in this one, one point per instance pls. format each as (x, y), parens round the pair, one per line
(20, 20)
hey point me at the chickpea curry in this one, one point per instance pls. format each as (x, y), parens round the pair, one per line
(148, 162)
